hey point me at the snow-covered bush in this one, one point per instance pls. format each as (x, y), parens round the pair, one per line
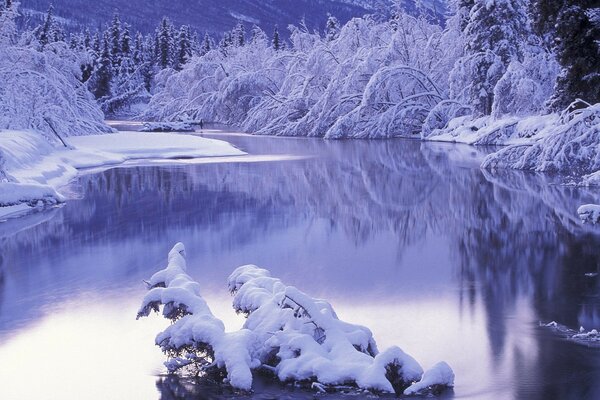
(287, 334)
(569, 145)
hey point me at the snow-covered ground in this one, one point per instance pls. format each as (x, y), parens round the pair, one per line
(32, 170)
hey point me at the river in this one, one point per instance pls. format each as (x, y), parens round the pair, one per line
(410, 239)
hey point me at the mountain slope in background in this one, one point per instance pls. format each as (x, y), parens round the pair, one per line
(210, 16)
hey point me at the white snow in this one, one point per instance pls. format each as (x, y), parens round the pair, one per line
(439, 375)
(287, 333)
(36, 169)
(167, 127)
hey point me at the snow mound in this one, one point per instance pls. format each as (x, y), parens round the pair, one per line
(287, 334)
(13, 194)
(589, 213)
(439, 376)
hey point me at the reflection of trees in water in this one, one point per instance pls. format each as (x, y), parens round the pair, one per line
(512, 234)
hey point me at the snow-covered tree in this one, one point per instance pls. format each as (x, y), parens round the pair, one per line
(101, 81)
(184, 47)
(207, 44)
(276, 40)
(495, 34)
(239, 34)
(576, 36)
(114, 33)
(332, 28)
(164, 42)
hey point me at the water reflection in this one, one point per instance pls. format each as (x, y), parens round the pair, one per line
(410, 239)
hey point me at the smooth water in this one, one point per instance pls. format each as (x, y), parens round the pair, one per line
(408, 238)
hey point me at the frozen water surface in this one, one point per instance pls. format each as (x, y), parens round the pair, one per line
(410, 239)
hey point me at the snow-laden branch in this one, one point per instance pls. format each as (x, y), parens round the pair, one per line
(287, 333)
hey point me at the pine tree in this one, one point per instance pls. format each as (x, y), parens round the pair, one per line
(574, 34)
(239, 35)
(463, 9)
(332, 30)
(207, 44)
(87, 39)
(184, 50)
(96, 44)
(226, 42)
(164, 43)
(258, 35)
(138, 50)
(115, 41)
(103, 75)
(276, 40)
(45, 31)
(125, 41)
(495, 33)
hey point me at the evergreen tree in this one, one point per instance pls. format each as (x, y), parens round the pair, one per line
(125, 41)
(115, 41)
(103, 74)
(276, 39)
(494, 33)
(164, 44)
(226, 42)
(573, 30)
(332, 30)
(44, 33)
(239, 35)
(184, 48)
(258, 35)
(138, 50)
(87, 39)
(96, 44)
(463, 9)
(207, 44)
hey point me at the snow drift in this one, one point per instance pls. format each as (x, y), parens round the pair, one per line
(287, 334)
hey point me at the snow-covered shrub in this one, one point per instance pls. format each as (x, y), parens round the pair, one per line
(569, 145)
(287, 334)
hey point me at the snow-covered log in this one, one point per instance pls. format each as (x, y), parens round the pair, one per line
(287, 334)
(589, 213)
(167, 127)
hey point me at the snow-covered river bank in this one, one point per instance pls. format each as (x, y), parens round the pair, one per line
(36, 170)
(410, 239)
